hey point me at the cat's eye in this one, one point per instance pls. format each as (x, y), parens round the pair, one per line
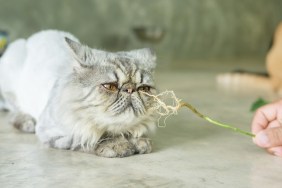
(144, 88)
(110, 86)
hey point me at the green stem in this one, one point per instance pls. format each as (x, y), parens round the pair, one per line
(216, 122)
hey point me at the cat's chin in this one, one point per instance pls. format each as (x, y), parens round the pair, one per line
(127, 118)
(120, 122)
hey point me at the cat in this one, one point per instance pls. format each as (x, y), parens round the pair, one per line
(272, 81)
(77, 98)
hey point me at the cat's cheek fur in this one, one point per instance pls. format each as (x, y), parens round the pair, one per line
(110, 96)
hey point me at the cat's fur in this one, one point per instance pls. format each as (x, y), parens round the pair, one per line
(80, 98)
(272, 82)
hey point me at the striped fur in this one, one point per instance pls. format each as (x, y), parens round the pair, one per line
(79, 111)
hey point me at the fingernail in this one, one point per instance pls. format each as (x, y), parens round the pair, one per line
(262, 140)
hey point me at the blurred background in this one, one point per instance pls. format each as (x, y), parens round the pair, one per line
(194, 41)
(184, 33)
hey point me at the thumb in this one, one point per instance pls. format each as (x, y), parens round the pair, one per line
(269, 137)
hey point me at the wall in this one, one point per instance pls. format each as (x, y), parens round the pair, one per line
(194, 29)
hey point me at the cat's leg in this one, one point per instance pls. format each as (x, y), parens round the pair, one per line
(55, 138)
(51, 134)
(115, 147)
(24, 122)
(2, 103)
(61, 142)
(20, 120)
(142, 145)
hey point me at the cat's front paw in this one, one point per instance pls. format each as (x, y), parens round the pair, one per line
(24, 122)
(115, 147)
(142, 145)
(61, 142)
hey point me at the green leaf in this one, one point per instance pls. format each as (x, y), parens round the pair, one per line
(258, 103)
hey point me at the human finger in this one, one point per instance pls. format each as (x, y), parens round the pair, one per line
(277, 151)
(265, 115)
(270, 137)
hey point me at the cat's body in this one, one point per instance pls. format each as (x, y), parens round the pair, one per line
(271, 82)
(79, 98)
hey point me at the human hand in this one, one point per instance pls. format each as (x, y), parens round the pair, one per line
(266, 125)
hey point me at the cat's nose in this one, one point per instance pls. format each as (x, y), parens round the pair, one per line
(129, 88)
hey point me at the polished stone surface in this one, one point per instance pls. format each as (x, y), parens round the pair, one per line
(188, 152)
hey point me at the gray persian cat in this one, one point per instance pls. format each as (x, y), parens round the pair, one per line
(78, 98)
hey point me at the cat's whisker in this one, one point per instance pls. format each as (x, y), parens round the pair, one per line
(119, 99)
(120, 104)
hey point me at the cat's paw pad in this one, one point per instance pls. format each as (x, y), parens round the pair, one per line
(142, 145)
(24, 122)
(115, 148)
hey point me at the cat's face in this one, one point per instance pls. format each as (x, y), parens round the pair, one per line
(113, 86)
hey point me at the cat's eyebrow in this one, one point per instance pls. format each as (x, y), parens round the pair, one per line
(145, 77)
(134, 70)
(116, 76)
(147, 80)
(120, 65)
(141, 77)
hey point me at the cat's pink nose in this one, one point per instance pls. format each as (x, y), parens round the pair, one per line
(129, 90)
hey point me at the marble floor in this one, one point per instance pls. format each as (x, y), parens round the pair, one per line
(188, 152)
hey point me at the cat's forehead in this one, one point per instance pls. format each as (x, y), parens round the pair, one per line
(123, 69)
(123, 60)
(142, 58)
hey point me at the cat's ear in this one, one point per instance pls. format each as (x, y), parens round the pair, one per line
(82, 53)
(146, 57)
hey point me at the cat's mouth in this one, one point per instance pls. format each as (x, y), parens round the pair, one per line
(128, 99)
(131, 107)
(127, 106)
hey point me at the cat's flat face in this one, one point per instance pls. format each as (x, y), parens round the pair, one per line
(113, 87)
(123, 85)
